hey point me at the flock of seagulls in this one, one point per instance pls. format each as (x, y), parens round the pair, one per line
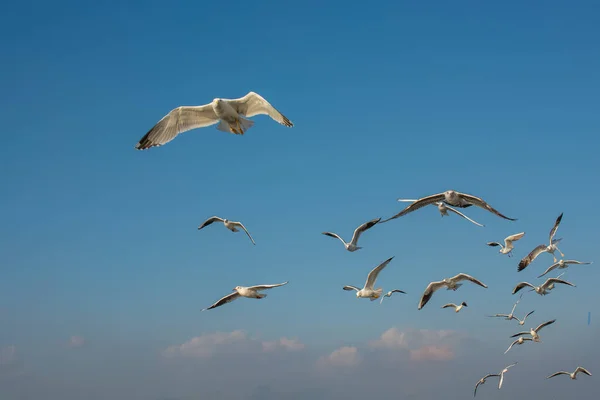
(231, 115)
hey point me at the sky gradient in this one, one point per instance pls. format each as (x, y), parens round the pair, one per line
(103, 272)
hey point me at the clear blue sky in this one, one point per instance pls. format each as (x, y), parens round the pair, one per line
(100, 241)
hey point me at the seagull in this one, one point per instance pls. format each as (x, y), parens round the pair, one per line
(450, 283)
(542, 248)
(368, 291)
(251, 292)
(229, 112)
(511, 315)
(542, 289)
(482, 381)
(451, 198)
(520, 340)
(456, 308)
(572, 375)
(508, 243)
(562, 264)
(231, 225)
(524, 318)
(505, 370)
(352, 246)
(534, 332)
(443, 209)
(391, 292)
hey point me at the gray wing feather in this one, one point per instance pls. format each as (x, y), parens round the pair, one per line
(429, 291)
(372, 277)
(224, 300)
(463, 215)
(210, 221)
(418, 204)
(264, 287)
(528, 259)
(481, 203)
(254, 104)
(463, 277)
(555, 227)
(521, 285)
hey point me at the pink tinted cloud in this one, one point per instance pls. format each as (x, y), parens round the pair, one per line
(284, 344)
(343, 357)
(437, 353)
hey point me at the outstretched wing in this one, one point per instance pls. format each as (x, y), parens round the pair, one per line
(178, 120)
(511, 345)
(549, 281)
(349, 287)
(463, 277)
(418, 204)
(514, 238)
(245, 230)
(367, 225)
(449, 305)
(264, 287)
(543, 324)
(254, 104)
(581, 369)
(555, 227)
(227, 299)
(528, 259)
(429, 291)
(479, 202)
(521, 285)
(521, 333)
(557, 373)
(550, 268)
(494, 244)
(577, 262)
(372, 277)
(334, 235)
(210, 221)
(462, 215)
(527, 315)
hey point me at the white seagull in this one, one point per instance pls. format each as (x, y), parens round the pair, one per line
(251, 292)
(231, 225)
(482, 381)
(562, 264)
(522, 322)
(230, 113)
(534, 332)
(512, 313)
(542, 289)
(449, 283)
(451, 198)
(542, 248)
(456, 308)
(443, 209)
(391, 292)
(519, 341)
(508, 243)
(572, 375)
(352, 245)
(368, 291)
(505, 370)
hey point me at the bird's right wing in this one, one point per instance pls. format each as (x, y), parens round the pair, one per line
(555, 227)
(418, 204)
(521, 285)
(543, 324)
(358, 231)
(483, 204)
(528, 259)
(550, 268)
(577, 262)
(449, 305)
(511, 345)
(227, 299)
(178, 120)
(254, 104)
(463, 215)
(334, 235)
(581, 369)
(556, 280)
(462, 277)
(265, 287)
(210, 221)
(557, 373)
(372, 277)
(521, 333)
(245, 230)
(494, 244)
(514, 238)
(349, 287)
(429, 291)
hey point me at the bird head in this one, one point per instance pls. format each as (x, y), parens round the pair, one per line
(235, 289)
(357, 295)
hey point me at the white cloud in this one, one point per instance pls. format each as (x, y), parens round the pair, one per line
(412, 339)
(76, 341)
(343, 357)
(439, 353)
(283, 343)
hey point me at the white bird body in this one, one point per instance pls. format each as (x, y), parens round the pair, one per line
(508, 243)
(391, 292)
(551, 247)
(572, 375)
(251, 292)
(505, 370)
(443, 209)
(229, 113)
(231, 225)
(353, 244)
(563, 264)
(534, 332)
(542, 289)
(457, 308)
(512, 312)
(368, 290)
(522, 322)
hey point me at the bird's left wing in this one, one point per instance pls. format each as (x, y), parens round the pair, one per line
(254, 104)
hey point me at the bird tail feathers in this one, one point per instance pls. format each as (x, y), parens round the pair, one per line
(378, 293)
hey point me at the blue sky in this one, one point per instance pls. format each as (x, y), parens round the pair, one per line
(102, 269)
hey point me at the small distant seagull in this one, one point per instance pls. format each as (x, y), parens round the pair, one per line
(511, 315)
(542, 248)
(231, 225)
(508, 243)
(542, 289)
(572, 375)
(230, 113)
(456, 308)
(449, 283)
(524, 318)
(391, 292)
(505, 370)
(451, 198)
(443, 209)
(251, 292)
(368, 291)
(482, 381)
(562, 264)
(352, 246)
(534, 332)
(519, 341)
